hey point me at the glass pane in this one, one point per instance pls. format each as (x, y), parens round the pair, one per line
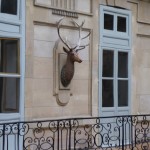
(9, 95)
(122, 93)
(108, 22)
(108, 63)
(122, 65)
(9, 6)
(121, 24)
(107, 93)
(9, 56)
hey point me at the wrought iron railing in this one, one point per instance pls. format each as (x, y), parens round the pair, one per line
(101, 133)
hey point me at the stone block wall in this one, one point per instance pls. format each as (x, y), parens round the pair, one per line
(40, 96)
(41, 35)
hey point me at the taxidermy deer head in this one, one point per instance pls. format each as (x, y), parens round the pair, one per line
(67, 71)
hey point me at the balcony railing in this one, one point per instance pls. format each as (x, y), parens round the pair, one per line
(101, 133)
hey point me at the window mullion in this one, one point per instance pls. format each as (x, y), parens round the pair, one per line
(100, 75)
(10, 75)
(129, 78)
(115, 23)
(0, 5)
(18, 8)
(116, 78)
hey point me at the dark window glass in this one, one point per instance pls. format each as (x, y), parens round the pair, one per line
(122, 93)
(108, 22)
(122, 65)
(9, 56)
(9, 6)
(9, 95)
(108, 63)
(107, 93)
(121, 24)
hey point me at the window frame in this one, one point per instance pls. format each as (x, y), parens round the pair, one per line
(4, 16)
(114, 33)
(16, 75)
(116, 47)
(114, 78)
(18, 54)
(20, 22)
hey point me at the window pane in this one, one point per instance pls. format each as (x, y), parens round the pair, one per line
(9, 97)
(9, 56)
(107, 93)
(122, 93)
(108, 22)
(9, 6)
(122, 64)
(121, 24)
(108, 63)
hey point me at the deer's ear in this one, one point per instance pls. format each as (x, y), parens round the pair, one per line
(65, 50)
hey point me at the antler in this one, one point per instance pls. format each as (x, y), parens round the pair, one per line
(83, 46)
(58, 30)
(78, 45)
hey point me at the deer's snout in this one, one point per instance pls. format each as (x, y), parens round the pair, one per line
(77, 59)
(80, 61)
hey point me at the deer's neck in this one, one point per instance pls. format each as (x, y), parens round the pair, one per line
(67, 72)
(69, 68)
(69, 63)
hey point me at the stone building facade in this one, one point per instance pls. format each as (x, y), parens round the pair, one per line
(113, 78)
(84, 100)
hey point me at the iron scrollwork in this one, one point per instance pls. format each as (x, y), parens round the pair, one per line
(120, 132)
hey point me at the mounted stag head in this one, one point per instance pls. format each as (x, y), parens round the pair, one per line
(67, 70)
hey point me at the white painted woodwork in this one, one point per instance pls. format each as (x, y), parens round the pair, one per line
(13, 26)
(117, 42)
